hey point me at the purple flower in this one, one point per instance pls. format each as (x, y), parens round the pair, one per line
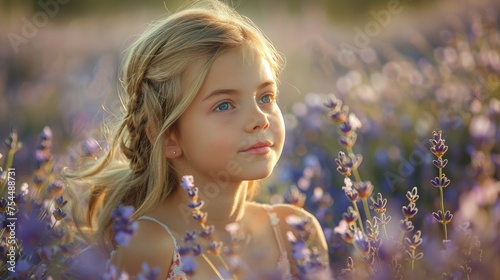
(351, 193)
(438, 147)
(189, 265)
(295, 196)
(56, 188)
(207, 232)
(406, 225)
(200, 217)
(196, 249)
(440, 163)
(362, 243)
(90, 147)
(379, 205)
(190, 236)
(59, 214)
(60, 202)
(412, 195)
(443, 219)
(410, 210)
(300, 250)
(298, 223)
(196, 204)
(415, 241)
(442, 182)
(184, 250)
(187, 182)
(337, 112)
(333, 103)
(350, 216)
(112, 274)
(364, 189)
(214, 247)
(148, 273)
(12, 142)
(123, 227)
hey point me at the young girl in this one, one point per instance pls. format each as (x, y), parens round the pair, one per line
(201, 90)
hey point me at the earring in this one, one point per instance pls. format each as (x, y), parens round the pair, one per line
(174, 152)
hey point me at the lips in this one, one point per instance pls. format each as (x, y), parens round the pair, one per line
(259, 148)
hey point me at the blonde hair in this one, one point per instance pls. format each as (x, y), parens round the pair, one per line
(134, 171)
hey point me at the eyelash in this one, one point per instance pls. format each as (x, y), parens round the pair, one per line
(273, 99)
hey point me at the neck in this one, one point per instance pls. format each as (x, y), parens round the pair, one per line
(224, 203)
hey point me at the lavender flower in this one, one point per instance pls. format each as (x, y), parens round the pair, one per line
(438, 147)
(412, 195)
(406, 225)
(345, 164)
(122, 225)
(60, 202)
(295, 197)
(443, 219)
(442, 182)
(410, 210)
(350, 216)
(112, 274)
(189, 265)
(379, 205)
(59, 214)
(364, 189)
(148, 273)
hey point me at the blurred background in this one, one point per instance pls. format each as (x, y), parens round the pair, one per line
(405, 68)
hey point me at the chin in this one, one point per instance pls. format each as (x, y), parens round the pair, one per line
(260, 174)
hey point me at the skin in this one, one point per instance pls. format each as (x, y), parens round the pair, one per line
(234, 110)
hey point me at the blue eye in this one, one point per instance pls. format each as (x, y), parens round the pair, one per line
(268, 98)
(223, 107)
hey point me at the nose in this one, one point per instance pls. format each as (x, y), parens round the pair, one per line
(257, 120)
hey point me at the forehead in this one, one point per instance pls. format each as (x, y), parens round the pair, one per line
(235, 66)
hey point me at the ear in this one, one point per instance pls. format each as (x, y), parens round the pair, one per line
(171, 146)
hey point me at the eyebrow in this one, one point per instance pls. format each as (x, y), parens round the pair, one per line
(234, 91)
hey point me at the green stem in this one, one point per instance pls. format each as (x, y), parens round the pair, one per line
(8, 165)
(442, 209)
(367, 209)
(412, 260)
(223, 262)
(359, 217)
(442, 206)
(401, 236)
(355, 172)
(385, 231)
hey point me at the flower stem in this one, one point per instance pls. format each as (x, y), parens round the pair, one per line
(401, 236)
(367, 209)
(385, 229)
(442, 206)
(223, 262)
(412, 260)
(8, 165)
(359, 217)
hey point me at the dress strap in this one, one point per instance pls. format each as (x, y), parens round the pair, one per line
(161, 224)
(283, 262)
(175, 271)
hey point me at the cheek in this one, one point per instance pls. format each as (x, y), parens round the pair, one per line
(279, 127)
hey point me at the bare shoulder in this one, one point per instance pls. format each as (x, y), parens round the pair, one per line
(150, 244)
(285, 210)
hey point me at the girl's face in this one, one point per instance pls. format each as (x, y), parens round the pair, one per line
(233, 130)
